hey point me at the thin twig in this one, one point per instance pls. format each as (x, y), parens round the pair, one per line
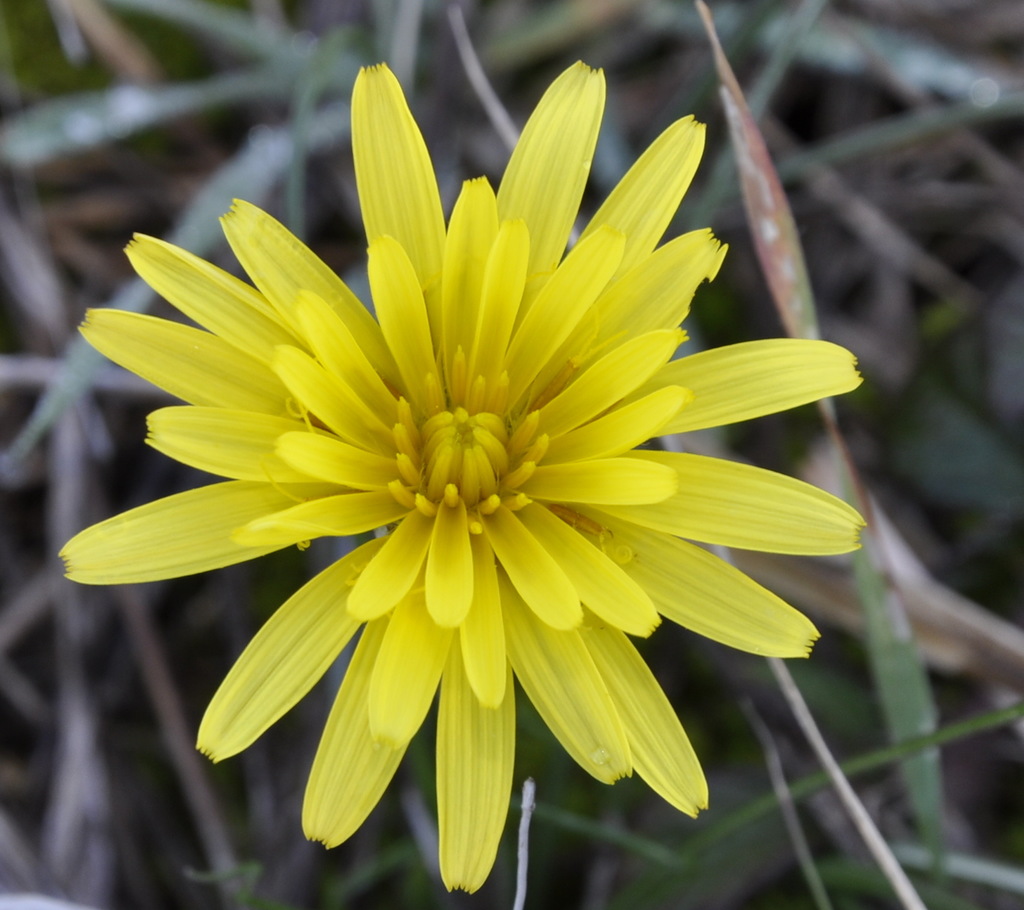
(495, 110)
(529, 802)
(876, 844)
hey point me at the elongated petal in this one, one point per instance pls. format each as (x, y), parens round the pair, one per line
(661, 751)
(332, 402)
(560, 305)
(397, 188)
(621, 430)
(282, 266)
(285, 659)
(737, 505)
(392, 572)
(403, 314)
(603, 481)
(327, 516)
(179, 535)
(217, 300)
(235, 444)
(407, 671)
(602, 586)
(742, 381)
(707, 595)
(351, 770)
(500, 295)
(482, 634)
(548, 170)
(328, 458)
(645, 200)
(559, 676)
(471, 232)
(193, 365)
(337, 349)
(609, 380)
(475, 752)
(449, 575)
(534, 572)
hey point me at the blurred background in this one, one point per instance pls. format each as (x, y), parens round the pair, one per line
(897, 127)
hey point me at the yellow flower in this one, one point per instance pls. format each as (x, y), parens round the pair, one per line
(488, 420)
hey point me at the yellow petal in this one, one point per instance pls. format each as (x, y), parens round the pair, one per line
(212, 297)
(645, 200)
(500, 296)
(475, 752)
(282, 266)
(661, 751)
(327, 516)
(737, 505)
(332, 402)
(351, 771)
(402, 312)
(622, 481)
(284, 661)
(179, 535)
(609, 380)
(621, 430)
(559, 676)
(235, 444)
(534, 572)
(602, 586)
(328, 458)
(560, 305)
(193, 365)
(482, 634)
(449, 575)
(742, 381)
(707, 595)
(407, 671)
(548, 170)
(397, 188)
(337, 349)
(392, 572)
(471, 232)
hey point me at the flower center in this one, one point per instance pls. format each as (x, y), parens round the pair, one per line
(457, 455)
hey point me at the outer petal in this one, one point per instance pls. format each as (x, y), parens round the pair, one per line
(603, 587)
(193, 365)
(397, 188)
(742, 381)
(328, 458)
(326, 516)
(475, 752)
(707, 595)
(179, 535)
(545, 177)
(661, 750)
(215, 299)
(482, 634)
(282, 266)
(737, 505)
(646, 199)
(407, 671)
(351, 770)
(390, 575)
(534, 572)
(285, 659)
(560, 678)
(235, 444)
(602, 481)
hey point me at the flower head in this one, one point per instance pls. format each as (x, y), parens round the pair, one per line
(488, 421)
